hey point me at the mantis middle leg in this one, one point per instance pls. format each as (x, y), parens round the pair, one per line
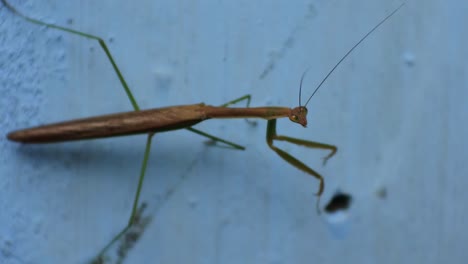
(233, 145)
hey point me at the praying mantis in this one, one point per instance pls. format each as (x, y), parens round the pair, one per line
(171, 118)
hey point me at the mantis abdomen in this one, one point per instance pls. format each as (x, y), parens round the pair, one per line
(120, 124)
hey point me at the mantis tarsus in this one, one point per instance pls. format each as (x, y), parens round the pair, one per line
(177, 117)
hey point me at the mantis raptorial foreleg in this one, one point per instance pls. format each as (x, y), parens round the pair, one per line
(271, 136)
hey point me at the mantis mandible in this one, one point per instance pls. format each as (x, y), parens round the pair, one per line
(178, 117)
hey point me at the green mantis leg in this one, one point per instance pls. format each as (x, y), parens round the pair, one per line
(135, 201)
(132, 101)
(240, 99)
(218, 139)
(271, 136)
(89, 36)
(246, 97)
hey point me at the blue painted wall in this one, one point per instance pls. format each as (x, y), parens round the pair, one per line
(396, 109)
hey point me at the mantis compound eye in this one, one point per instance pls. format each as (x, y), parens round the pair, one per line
(294, 118)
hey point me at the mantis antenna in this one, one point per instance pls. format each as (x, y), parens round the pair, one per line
(344, 57)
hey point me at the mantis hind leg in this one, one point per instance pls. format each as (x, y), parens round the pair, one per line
(134, 216)
(135, 106)
(271, 136)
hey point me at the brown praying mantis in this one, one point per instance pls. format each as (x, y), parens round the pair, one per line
(178, 117)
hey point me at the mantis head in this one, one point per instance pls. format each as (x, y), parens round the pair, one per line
(299, 115)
